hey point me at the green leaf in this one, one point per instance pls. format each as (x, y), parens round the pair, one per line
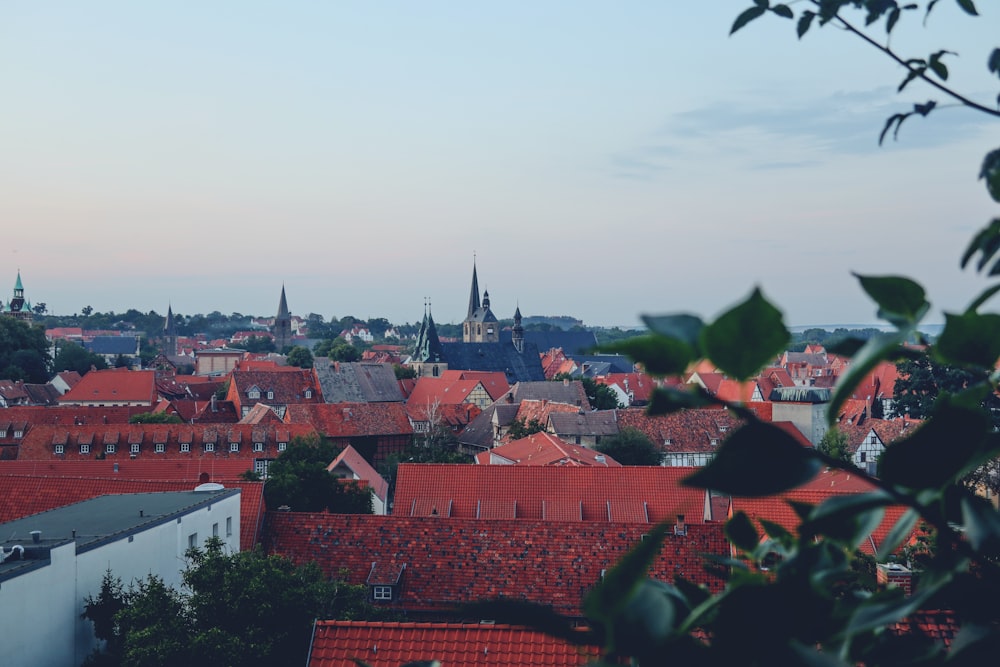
(758, 459)
(746, 16)
(901, 530)
(950, 439)
(741, 532)
(775, 531)
(970, 339)
(522, 612)
(981, 522)
(808, 656)
(968, 7)
(884, 610)
(746, 338)
(783, 11)
(983, 298)
(901, 301)
(804, 22)
(890, 22)
(895, 119)
(848, 519)
(937, 66)
(683, 327)
(668, 400)
(884, 347)
(610, 596)
(994, 62)
(990, 172)
(658, 355)
(986, 241)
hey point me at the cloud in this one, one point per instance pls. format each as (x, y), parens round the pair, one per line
(767, 135)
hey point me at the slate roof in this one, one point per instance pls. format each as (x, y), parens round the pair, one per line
(124, 345)
(453, 561)
(611, 363)
(567, 391)
(25, 495)
(357, 382)
(589, 494)
(495, 357)
(345, 420)
(597, 423)
(478, 433)
(116, 385)
(544, 449)
(573, 343)
(349, 643)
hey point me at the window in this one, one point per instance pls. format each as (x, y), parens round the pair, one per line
(864, 456)
(715, 441)
(84, 449)
(185, 446)
(258, 446)
(60, 449)
(215, 530)
(270, 395)
(209, 446)
(382, 592)
(134, 448)
(309, 393)
(245, 411)
(260, 466)
(282, 446)
(668, 441)
(160, 448)
(873, 439)
(234, 446)
(110, 448)
(19, 432)
(192, 540)
(229, 526)
(253, 394)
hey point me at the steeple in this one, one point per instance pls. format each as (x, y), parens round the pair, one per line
(282, 325)
(17, 307)
(517, 333)
(169, 334)
(474, 303)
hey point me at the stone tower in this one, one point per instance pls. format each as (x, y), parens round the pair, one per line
(282, 325)
(480, 325)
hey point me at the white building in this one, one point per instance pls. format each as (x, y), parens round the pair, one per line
(52, 561)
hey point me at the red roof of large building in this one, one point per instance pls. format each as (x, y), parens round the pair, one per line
(439, 564)
(346, 420)
(24, 495)
(632, 494)
(700, 430)
(350, 643)
(113, 386)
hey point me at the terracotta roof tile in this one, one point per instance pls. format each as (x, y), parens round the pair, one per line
(348, 643)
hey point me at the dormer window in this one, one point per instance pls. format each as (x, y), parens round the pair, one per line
(253, 394)
(270, 395)
(258, 446)
(209, 446)
(185, 447)
(309, 393)
(60, 449)
(715, 442)
(160, 447)
(110, 448)
(282, 446)
(18, 432)
(234, 446)
(84, 449)
(134, 448)
(382, 593)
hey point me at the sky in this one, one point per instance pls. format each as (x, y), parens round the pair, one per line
(599, 160)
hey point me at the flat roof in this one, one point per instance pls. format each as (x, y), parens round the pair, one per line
(92, 523)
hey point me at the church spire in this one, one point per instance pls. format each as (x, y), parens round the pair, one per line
(283, 304)
(474, 303)
(282, 325)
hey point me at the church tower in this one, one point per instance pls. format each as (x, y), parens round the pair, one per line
(169, 334)
(17, 307)
(428, 358)
(480, 325)
(517, 333)
(282, 325)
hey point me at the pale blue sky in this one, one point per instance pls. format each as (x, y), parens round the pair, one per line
(601, 159)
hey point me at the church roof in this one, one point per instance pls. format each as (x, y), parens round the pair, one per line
(498, 357)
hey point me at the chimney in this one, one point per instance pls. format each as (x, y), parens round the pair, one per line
(894, 575)
(680, 528)
(36, 536)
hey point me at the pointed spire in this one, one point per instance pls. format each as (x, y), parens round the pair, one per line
(168, 326)
(17, 286)
(474, 303)
(283, 305)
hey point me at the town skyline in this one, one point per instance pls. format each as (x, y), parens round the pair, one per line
(600, 162)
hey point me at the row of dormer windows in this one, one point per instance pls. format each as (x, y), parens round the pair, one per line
(161, 448)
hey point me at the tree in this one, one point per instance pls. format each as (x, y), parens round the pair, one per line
(601, 396)
(522, 428)
(809, 582)
(24, 352)
(337, 349)
(922, 380)
(258, 344)
(300, 356)
(73, 357)
(835, 445)
(404, 372)
(242, 608)
(299, 479)
(86, 311)
(631, 447)
(40, 308)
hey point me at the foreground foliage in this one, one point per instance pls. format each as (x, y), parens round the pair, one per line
(805, 598)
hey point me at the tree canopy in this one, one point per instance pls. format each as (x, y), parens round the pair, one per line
(73, 357)
(240, 608)
(24, 352)
(299, 479)
(631, 447)
(300, 356)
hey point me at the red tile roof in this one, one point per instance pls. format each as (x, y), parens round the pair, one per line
(552, 493)
(431, 390)
(684, 431)
(544, 449)
(350, 459)
(349, 643)
(449, 562)
(112, 386)
(640, 385)
(345, 420)
(24, 495)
